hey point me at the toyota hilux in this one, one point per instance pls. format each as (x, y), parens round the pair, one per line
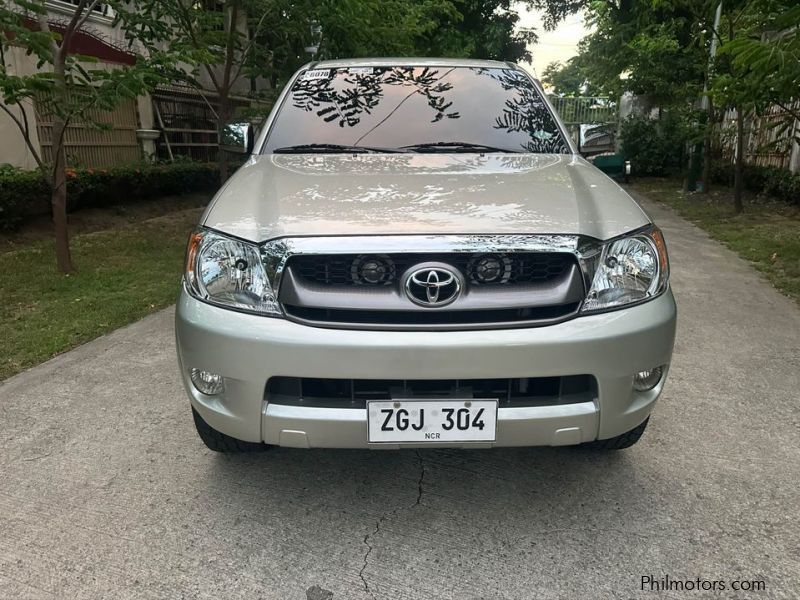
(416, 255)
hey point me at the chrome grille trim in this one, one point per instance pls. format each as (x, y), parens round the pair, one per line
(277, 252)
(586, 251)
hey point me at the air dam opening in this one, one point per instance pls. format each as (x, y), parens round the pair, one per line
(354, 393)
(381, 319)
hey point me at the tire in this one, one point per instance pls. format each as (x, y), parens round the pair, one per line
(622, 441)
(219, 442)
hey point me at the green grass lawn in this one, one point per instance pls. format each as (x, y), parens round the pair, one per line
(122, 275)
(767, 233)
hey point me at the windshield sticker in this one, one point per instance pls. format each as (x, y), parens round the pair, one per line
(360, 70)
(317, 74)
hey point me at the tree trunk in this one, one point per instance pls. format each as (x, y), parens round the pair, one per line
(694, 167)
(59, 196)
(223, 115)
(738, 181)
(59, 206)
(707, 137)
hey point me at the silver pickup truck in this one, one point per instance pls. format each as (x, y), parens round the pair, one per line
(415, 255)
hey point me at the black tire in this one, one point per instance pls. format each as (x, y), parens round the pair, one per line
(219, 442)
(622, 441)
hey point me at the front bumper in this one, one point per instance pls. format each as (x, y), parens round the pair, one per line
(248, 349)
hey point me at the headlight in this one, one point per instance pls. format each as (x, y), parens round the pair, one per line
(228, 272)
(632, 269)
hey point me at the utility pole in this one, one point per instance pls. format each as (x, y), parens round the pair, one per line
(712, 53)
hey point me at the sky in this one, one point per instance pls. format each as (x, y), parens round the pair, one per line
(559, 45)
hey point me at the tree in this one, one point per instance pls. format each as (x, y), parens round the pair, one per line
(350, 28)
(485, 29)
(769, 54)
(68, 84)
(555, 11)
(656, 50)
(649, 49)
(663, 47)
(569, 79)
(356, 28)
(736, 84)
(218, 41)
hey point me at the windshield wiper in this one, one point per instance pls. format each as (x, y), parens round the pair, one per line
(454, 147)
(331, 149)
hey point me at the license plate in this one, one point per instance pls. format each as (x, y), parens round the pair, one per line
(413, 421)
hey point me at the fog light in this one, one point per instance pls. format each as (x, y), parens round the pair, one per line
(647, 380)
(206, 382)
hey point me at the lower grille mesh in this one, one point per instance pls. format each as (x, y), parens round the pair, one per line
(354, 393)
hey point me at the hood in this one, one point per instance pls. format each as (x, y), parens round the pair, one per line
(293, 195)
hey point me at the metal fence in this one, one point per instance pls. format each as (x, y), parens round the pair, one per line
(590, 120)
(584, 110)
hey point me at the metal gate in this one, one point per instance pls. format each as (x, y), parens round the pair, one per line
(188, 120)
(591, 120)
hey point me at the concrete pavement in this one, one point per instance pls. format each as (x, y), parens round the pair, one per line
(106, 492)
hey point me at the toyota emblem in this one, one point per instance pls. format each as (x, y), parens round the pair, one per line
(432, 285)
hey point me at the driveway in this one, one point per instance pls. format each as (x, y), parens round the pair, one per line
(106, 492)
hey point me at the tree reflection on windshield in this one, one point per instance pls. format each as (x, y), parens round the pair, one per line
(526, 113)
(365, 92)
(408, 107)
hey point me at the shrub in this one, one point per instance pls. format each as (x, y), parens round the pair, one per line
(772, 181)
(24, 194)
(18, 191)
(654, 147)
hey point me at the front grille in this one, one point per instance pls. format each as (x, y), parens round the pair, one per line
(354, 393)
(385, 269)
(373, 291)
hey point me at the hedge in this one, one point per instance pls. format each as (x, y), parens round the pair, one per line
(24, 194)
(772, 181)
(654, 147)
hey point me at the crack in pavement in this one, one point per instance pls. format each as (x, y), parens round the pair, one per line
(368, 552)
(386, 515)
(421, 477)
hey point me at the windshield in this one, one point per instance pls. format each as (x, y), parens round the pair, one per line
(414, 109)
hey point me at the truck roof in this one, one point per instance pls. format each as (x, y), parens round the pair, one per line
(413, 61)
